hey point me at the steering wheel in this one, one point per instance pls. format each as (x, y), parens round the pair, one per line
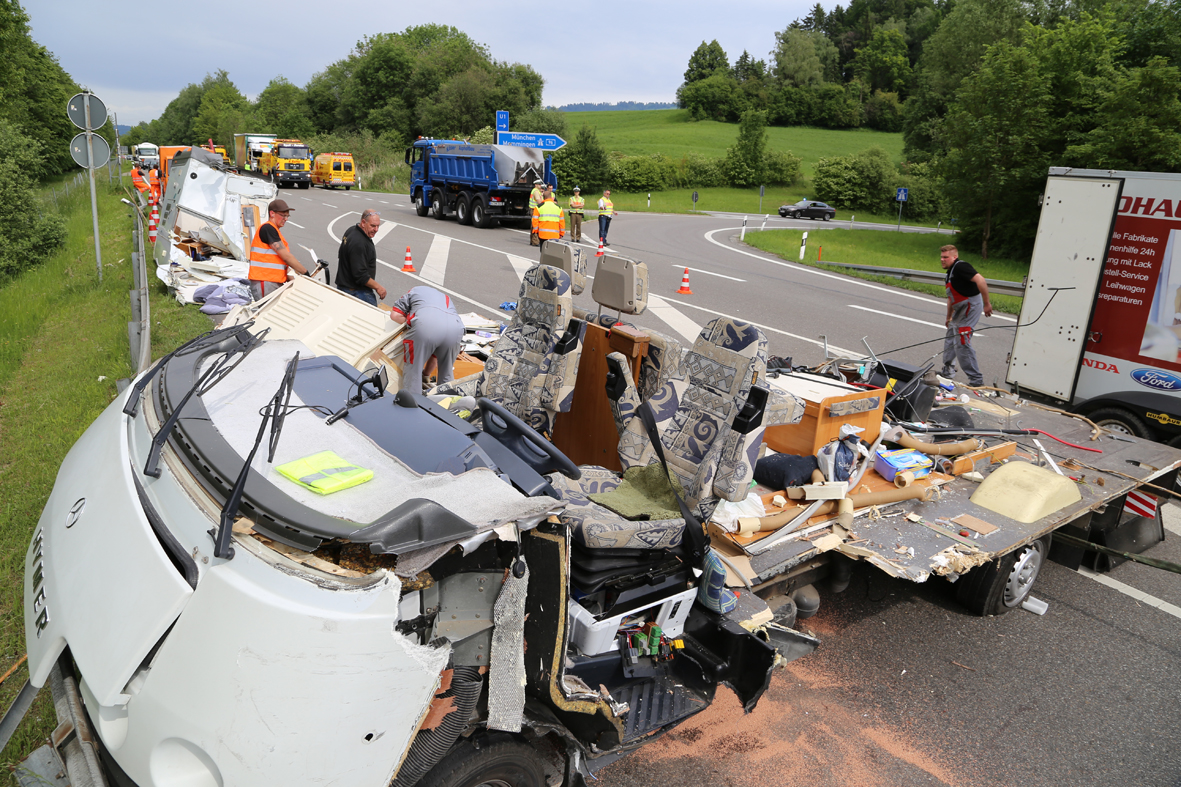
(524, 441)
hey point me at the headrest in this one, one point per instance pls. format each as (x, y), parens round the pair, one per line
(621, 284)
(569, 258)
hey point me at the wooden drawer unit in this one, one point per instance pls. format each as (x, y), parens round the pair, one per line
(822, 396)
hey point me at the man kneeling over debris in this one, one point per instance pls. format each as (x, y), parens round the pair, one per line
(433, 339)
(270, 256)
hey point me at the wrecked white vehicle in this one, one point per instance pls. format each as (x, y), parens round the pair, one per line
(467, 615)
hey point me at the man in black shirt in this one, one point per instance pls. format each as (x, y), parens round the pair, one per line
(967, 297)
(356, 261)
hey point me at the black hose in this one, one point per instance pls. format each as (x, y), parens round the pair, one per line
(430, 745)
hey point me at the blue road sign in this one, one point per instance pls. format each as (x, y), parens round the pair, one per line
(501, 120)
(901, 195)
(526, 140)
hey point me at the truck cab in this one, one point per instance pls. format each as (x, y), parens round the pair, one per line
(288, 162)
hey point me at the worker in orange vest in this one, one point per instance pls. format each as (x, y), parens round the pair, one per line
(270, 257)
(549, 220)
(137, 180)
(154, 182)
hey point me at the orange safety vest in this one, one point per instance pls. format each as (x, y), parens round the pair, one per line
(154, 180)
(138, 181)
(549, 220)
(265, 263)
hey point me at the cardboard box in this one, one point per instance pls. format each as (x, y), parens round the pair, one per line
(889, 463)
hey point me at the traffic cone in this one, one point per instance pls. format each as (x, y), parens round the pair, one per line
(599, 253)
(685, 284)
(153, 222)
(408, 265)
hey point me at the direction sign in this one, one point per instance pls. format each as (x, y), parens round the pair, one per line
(901, 196)
(501, 120)
(81, 155)
(523, 139)
(76, 109)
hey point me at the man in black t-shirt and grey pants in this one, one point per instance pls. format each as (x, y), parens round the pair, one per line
(356, 261)
(967, 297)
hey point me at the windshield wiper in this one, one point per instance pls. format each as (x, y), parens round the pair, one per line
(275, 412)
(212, 376)
(191, 346)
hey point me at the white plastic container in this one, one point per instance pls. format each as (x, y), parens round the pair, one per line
(593, 637)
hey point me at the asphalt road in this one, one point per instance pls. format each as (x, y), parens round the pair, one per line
(906, 688)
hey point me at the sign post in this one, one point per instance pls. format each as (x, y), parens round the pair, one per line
(762, 191)
(87, 112)
(695, 200)
(901, 198)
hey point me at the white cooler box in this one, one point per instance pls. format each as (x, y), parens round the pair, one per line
(593, 637)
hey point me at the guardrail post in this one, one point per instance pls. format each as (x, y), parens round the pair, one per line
(743, 235)
(764, 223)
(803, 245)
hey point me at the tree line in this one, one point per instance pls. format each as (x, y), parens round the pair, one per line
(987, 93)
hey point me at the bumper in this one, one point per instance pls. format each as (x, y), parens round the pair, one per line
(293, 177)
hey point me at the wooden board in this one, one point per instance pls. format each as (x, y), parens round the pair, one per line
(817, 427)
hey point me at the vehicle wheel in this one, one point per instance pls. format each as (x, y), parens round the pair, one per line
(305, 185)
(1005, 583)
(480, 215)
(828, 216)
(463, 210)
(419, 207)
(502, 764)
(348, 188)
(437, 205)
(1121, 421)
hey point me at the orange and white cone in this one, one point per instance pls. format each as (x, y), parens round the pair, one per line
(599, 253)
(685, 284)
(408, 265)
(153, 222)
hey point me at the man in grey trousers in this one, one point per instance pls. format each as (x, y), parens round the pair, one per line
(967, 297)
(432, 340)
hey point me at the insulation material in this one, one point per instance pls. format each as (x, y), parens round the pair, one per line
(506, 674)
(958, 559)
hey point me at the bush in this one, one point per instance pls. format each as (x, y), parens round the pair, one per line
(715, 98)
(29, 233)
(835, 107)
(927, 200)
(697, 171)
(782, 168)
(744, 164)
(582, 163)
(883, 112)
(642, 173)
(863, 181)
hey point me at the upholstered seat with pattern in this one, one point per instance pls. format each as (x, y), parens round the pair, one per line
(695, 414)
(532, 367)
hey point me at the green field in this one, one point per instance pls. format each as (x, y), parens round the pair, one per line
(669, 131)
(888, 250)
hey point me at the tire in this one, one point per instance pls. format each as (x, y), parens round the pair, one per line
(1121, 421)
(1003, 585)
(828, 216)
(305, 185)
(508, 763)
(463, 210)
(420, 208)
(348, 188)
(480, 215)
(437, 209)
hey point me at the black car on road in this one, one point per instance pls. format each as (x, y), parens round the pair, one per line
(808, 209)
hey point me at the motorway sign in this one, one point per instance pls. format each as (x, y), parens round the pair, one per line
(81, 154)
(902, 193)
(523, 139)
(76, 109)
(501, 120)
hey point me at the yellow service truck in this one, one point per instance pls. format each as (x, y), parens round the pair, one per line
(332, 170)
(288, 162)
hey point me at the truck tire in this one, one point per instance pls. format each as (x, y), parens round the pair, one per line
(480, 215)
(437, 208)
(463, 209)
(507, 763)
(1121, 421)
(419, 207)
(1003, 584)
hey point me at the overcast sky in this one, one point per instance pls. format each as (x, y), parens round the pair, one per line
(137, 56)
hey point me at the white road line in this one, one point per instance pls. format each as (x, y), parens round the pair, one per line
(293, 224)
(308, 199)
(385, 229)
(495, 312)
(901, 317)
(1128, 590)
(309, 250)
(701, 270)
(383, 202)
(520, 265)
(325, 204)
(674, 318)
(332, 234)
(435, 267)
(847, 279)
(832, 347)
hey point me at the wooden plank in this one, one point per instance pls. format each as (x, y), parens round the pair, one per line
(965, 463)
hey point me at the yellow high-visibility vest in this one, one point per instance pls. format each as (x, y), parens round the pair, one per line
(324, 473)
(608, 208)
(534, 198)
(549, 220)
(576, 205)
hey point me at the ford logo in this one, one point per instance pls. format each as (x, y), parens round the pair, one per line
(1155, 378)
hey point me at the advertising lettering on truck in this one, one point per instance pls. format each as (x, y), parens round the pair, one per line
(333, 170)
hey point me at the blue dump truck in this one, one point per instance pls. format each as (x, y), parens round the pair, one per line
(480, 184)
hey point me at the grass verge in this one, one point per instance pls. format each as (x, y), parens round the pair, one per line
(63, 344)
(888, 250)
(669, 131)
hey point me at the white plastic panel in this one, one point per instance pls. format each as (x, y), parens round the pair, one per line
(1069, 251)
(204, 194)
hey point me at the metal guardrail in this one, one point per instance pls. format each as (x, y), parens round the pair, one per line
(996, 286)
